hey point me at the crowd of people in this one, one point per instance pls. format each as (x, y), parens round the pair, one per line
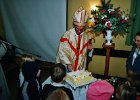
(57, 90)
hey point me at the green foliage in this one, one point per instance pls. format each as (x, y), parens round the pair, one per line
(111, 18)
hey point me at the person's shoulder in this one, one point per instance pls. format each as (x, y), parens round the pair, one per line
(133, 47)
(69, 34)
(66, 89)
(70, 31)
(47, 86)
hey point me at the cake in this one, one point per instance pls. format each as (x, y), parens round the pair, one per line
(79, 78)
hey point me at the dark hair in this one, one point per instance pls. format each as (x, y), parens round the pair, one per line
(126, 92)
(135, 81)
(58, 73)
(138, 34)
(30, 70)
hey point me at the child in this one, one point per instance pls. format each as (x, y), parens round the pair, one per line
(58, 94)
(58, 74)
(126, 92)
(31, 86)
(100, 90)
(134, 81)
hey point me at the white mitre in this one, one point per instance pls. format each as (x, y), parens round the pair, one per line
(80, 17)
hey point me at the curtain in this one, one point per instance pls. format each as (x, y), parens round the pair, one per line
(34, 26)
(135, 21)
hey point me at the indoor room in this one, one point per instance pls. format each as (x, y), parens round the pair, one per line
(105, 40)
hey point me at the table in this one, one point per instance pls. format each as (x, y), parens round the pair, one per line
(107, 60)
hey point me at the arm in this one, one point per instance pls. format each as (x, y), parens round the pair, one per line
(129, 61)
(90, 48)
(64, 54)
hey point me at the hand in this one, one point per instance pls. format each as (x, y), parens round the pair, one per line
(70, 67)
(130, 72)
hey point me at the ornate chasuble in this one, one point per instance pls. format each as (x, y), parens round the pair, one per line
(73, 49)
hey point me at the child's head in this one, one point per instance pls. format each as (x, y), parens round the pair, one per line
(134, 81)
(58, 73)
(126, 92)
(58, 94)
(30, 70)
(100, 90)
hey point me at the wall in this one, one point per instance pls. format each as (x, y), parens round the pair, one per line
(117, 65)
(35, 27)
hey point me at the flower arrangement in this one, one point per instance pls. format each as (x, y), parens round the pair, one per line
(110, 18)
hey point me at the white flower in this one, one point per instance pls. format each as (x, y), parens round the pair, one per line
(104, 16)
(123, 16)
(92, 19)
(109, 10)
